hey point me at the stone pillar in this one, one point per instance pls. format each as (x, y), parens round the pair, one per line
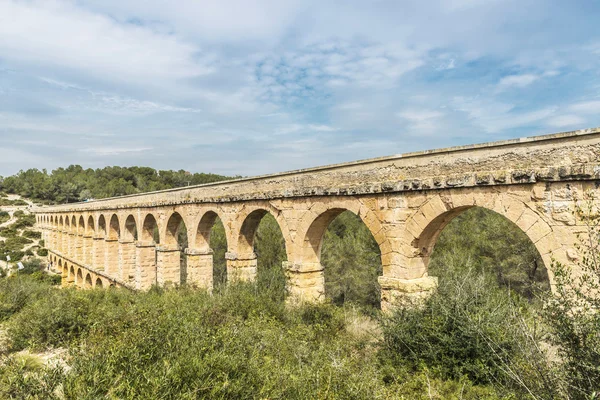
(200, 268)
(98, 256)
(111, 257)
(78, 253)
(63, 242)
(127, 260)
(168, 265)
(68, 279)
(241, 268)
(145, 265)
(305, 282)
(71, 245)
(88, 250)
(396, 289)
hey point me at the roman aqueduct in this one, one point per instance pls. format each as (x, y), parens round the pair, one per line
(404, 200)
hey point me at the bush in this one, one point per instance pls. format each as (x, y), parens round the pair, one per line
(42, 252)
(32, 234)
(574, 314)
(16, 293)
(471, 328)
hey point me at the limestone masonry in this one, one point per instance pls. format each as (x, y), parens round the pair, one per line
(404, 200)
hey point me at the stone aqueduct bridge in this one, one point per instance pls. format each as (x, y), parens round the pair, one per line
(404, 200)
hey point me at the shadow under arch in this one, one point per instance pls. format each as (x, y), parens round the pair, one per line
(476, 238)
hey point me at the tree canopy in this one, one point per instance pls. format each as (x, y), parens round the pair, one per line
(74, 183)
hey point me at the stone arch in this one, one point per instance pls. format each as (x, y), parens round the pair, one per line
(129, 230)
(174, 222)
(90, 228)
(314, 225)
(98, 283)
(424, 227)
(149, 226)
(67, 223)
(249, 226)
(88, 281)
(101, 231)
(114, 228)
(204, 229)
(79, 278)
(71, 271)
(73, 224)
(81, 225)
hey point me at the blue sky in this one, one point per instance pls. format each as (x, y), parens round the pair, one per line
(253, 87)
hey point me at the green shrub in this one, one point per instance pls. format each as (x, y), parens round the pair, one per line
(4, 216)
(17, 292)
(470, 327)
(42, 252)
(573, 314)
(24, 377)
(32, 234)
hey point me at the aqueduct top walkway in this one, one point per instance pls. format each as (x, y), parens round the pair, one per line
(405, 201)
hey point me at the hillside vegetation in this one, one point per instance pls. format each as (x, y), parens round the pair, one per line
(72, 184)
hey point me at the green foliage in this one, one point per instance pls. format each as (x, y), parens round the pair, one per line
(218, 244)
(18, 202)
(31, 234)
(74, 183)
(352, 262)
(4, 216)
(494, 245)
(16, 293)
(471, 327)
(42, 252)
(187, 344)
(574, 314)
(20, 375)
(270, 249)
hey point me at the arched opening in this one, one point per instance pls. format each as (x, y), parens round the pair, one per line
(98, 284)
(130, 229)
(475, 241)
(74, 224)
(176, 236)
(79, 279)
(88, 281)
(90, 228)
(114, 231)
(81, 226)
(72, 273)
(261, 236)
(150, 230)
(211, 238)
(102, 226)
(351, 258)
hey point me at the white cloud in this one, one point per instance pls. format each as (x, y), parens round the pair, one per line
(565, 120)
(114, 151)
(493, 116)
(586, 107)
(518, 81)
(60, 34)
(421, 120)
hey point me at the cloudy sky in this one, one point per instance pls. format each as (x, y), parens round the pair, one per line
(251, 87)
